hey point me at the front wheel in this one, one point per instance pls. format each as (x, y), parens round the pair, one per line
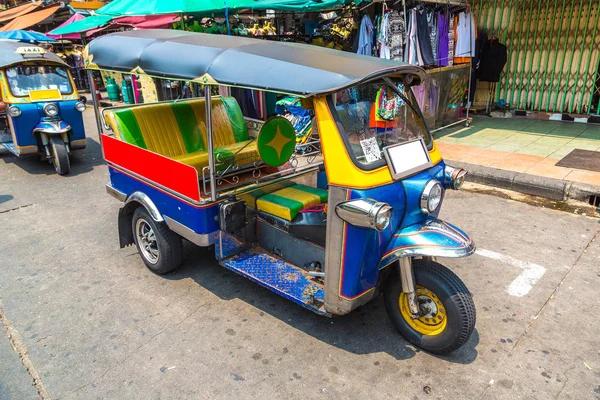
(447, 311)
(60, 155)
(160, 248)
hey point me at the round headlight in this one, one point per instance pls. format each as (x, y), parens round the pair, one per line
(14, 111)
(382, 218)
(80, 106)
(431, 196)
(51, 109)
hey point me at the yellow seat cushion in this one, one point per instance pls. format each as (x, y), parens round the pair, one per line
(243, 153)
(286, 203)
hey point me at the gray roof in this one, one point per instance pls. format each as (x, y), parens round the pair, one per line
(8, 55)
(291, 68)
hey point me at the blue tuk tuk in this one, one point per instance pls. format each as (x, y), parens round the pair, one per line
(352, 215)
(41, 113)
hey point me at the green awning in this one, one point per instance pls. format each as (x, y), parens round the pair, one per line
(119, 8)
(84, 25)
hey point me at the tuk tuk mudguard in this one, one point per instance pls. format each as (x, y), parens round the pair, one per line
(435, 238)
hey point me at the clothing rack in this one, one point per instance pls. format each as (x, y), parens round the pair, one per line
(454, 3)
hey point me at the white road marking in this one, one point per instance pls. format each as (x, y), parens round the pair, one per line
(526, 280)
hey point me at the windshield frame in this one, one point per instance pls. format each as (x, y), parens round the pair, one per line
(410, 101)
(66, 69)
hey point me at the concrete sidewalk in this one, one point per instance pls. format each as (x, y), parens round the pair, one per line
(521, 154)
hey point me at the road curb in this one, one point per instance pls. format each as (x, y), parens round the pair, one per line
(550, 188)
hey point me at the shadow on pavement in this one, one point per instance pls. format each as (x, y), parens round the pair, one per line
(82, 161)
(5, 197)
(366, 330)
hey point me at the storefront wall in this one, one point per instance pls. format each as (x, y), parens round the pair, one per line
(553, 52)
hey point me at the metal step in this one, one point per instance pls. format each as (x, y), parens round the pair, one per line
(283, 278)
(10, 146)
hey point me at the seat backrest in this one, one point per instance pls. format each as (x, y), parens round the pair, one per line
(174, 129)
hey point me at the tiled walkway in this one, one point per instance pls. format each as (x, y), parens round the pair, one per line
(522, 145)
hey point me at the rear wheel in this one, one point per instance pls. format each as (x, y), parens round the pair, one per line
(60, 156)
(447, 315)
(160, 248)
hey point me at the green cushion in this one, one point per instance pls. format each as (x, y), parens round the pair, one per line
(236, 118)
(129, 129)
(188, 126)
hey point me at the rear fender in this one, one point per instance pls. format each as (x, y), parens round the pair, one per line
(434, 238)
(137, 199)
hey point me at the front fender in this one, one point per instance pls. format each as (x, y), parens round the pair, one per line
(434, 238)
(52, 128)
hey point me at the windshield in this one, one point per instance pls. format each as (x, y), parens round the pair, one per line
(24, 78)
(376, 115)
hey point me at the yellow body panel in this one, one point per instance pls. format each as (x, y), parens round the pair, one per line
(160, 130)
(341, 170)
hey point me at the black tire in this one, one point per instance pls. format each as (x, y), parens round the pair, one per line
(167, 245)
(456, 300)
(60, 156)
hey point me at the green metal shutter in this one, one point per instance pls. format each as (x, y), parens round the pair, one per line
(553, 51)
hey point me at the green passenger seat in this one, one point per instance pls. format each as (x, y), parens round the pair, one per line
(178, 130)
(286, 203)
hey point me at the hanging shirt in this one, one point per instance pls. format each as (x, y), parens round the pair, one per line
(424, 38)
(396, 33)
(365, 39)
(465, 35)
(383, 38)
(442, 40)
(433, 34)
(414, 56)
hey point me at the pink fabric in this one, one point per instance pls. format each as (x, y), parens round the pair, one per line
(148, 22)
(75, 17)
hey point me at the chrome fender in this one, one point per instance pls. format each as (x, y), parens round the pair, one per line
(434, 238)
(52, 128)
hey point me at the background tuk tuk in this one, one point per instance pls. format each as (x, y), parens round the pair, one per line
(41, 114)
(353, 215)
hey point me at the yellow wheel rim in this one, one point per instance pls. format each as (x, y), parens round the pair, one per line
(431, 324)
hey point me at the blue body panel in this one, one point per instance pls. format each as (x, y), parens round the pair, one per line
(364, 247)
(33, 113)
(200, 219)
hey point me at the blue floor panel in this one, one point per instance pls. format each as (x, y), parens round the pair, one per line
(10, 146)
(284, 279)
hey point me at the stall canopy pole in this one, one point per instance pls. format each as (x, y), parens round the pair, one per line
(209, 138)
(95, 102)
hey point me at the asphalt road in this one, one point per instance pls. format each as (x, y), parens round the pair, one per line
(90, 321)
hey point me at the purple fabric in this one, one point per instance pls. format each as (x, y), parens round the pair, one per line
(442, 49)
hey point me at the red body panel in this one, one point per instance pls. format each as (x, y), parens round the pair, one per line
(178, 177)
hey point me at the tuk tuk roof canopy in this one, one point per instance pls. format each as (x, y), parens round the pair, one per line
(291, 68)
(9, 55)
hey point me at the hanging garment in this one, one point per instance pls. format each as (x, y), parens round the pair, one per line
(383, 38)
(442, 42)
(493, 60)
(396, 33)
(365, 40)
(424, 38)
(465, 33)
(433, 33)
(413, 44)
